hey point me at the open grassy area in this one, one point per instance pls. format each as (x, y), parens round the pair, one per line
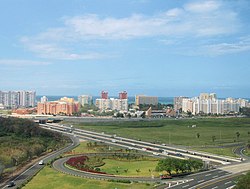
(226, 151)
(92, 147)
(119, 167)
(128, 168)
(49, 178)
(179, 132)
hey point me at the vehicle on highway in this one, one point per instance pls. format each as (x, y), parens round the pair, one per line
(11, 184)
(165, 177)
(41, 162)
(155, 153)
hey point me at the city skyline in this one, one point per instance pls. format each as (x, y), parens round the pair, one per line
(159, 48)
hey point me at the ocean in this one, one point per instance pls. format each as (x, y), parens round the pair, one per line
(131, 100)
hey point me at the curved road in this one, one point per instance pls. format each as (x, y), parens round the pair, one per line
(31, 171)
(59, 166)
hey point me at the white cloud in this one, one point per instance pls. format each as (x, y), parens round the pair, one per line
(54, 51)
(16, 62)
(241, 45)
(201, 19)
(203, 6)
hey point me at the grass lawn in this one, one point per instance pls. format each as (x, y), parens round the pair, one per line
(145, 168)
(247, 152)
(178, 132)
(49, 178)
(98, 147)
(227, 151)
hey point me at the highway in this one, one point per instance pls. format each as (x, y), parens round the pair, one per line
(221, 178)
(31, 171)
(155, 149)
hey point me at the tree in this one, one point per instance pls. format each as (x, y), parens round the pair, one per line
(198, 135)
(213, 138)
(237, 135)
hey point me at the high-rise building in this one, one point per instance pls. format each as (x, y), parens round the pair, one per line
(104, 95)
(85, 99)
(16, 99)
(178, 102)
(123, 95)
(44, 99)
(209, 104)
(148, 100)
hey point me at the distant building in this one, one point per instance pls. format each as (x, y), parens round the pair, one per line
(123, 95)
(16, 99)
(44, 99)
(85, 100)
(149, 100)
(65, 106)
(104, 95)
(120, 104)
(178, 102)
(209, 104)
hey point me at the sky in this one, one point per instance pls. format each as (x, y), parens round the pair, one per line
(154, 47)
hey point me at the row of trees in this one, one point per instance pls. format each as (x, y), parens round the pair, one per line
(171, 165)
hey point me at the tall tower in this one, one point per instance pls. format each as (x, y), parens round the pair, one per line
(123, 95)
(104, 95)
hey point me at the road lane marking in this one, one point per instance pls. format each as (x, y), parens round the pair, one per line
(214, 187)
(200, 181)
(185, 186)
(220, 171)
(228, 182)
(208, 175)
(215, 176)
(218, 180)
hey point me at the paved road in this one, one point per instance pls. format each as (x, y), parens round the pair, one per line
(147, 147)
(31, 171)
(59, 166)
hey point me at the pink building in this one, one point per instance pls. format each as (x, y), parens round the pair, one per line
(57, 107)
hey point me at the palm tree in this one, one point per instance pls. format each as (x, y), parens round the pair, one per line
(237, 135)
(213, 138)
(198, 135)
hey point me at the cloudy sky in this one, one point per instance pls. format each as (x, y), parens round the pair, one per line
(152, 47)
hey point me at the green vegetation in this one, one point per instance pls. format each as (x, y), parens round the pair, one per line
(171, 165)
(21, 140)
(243, 182)
(122, 162)
(49, 178)
(245, 111)
(179, 132)
(206, 131)
(224, 151)
(130, 168)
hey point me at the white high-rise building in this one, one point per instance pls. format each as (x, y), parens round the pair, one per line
(85, 99)
(15, 99)
(208, 103)
(44, 99)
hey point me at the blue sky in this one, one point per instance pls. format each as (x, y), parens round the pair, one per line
(152, 47)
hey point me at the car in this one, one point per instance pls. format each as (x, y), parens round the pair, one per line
(11, 184)
(165, 177)
(155, 153)
(41, 162)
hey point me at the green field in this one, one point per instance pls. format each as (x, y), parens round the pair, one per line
(49, 178)
(179, 132)
(120, 167)
(144, 168)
